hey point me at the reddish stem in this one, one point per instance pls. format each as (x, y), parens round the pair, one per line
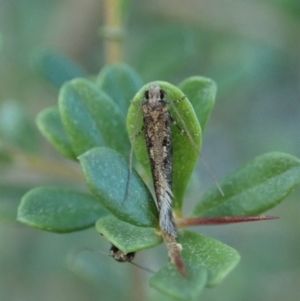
(198, 221)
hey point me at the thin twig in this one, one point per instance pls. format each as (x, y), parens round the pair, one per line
(201, 221)
(112, 31)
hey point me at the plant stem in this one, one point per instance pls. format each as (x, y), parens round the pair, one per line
(112, 31)
(200, 221)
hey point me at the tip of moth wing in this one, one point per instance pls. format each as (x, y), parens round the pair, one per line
(177, 260)
(174, 250)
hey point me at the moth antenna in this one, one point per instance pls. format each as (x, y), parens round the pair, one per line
(213, 177)
(103, 253)
(142, 267)
(119, 256)
(196, 147)
(131, 154)
(77, 252)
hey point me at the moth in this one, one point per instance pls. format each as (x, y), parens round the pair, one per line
(119, 256)
(157, 122)
(158, 136)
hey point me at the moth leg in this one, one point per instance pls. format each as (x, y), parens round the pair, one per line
(182, 131)
(133, 136)
(132, 139)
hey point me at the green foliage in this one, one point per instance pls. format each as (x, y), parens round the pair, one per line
(254, 188)
(201, 92)
(57, 68)
(106, 173)
(125, 236)
(50, 125)
(59, 210)
(91, 118)
(120, 82)
(168, 281)
(89, 124)
(208, 262)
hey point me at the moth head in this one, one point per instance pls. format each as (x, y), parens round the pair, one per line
(119, 256)
(154, 94)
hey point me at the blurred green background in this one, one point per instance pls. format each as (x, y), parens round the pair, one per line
(250, 48)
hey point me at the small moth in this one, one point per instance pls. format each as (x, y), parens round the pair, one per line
(157, 122)
(158, 135)
(116, 254)
(119, 256)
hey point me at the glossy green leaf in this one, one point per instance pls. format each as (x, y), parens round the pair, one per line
(185, 155)
(121, 83)
(205, 252)
(57, 68)
(59, 210)
(201, 92)
(164, 52)
(254, 188)
(16, 127)
(126, 237)
(207, 261)
(106, 174)
(171, 283)
(50, 124)
(91, 118)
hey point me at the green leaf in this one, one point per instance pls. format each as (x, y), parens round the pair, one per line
(205, 252)
(121, 83)
(50, 125)
(171, 283)
(59, 210)
(207, 261)
(185, 155)
(106, 174)
(201, 92)
(57, 68)
(126, 237)
(16, 127)
(91, 118)
(254, 188)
